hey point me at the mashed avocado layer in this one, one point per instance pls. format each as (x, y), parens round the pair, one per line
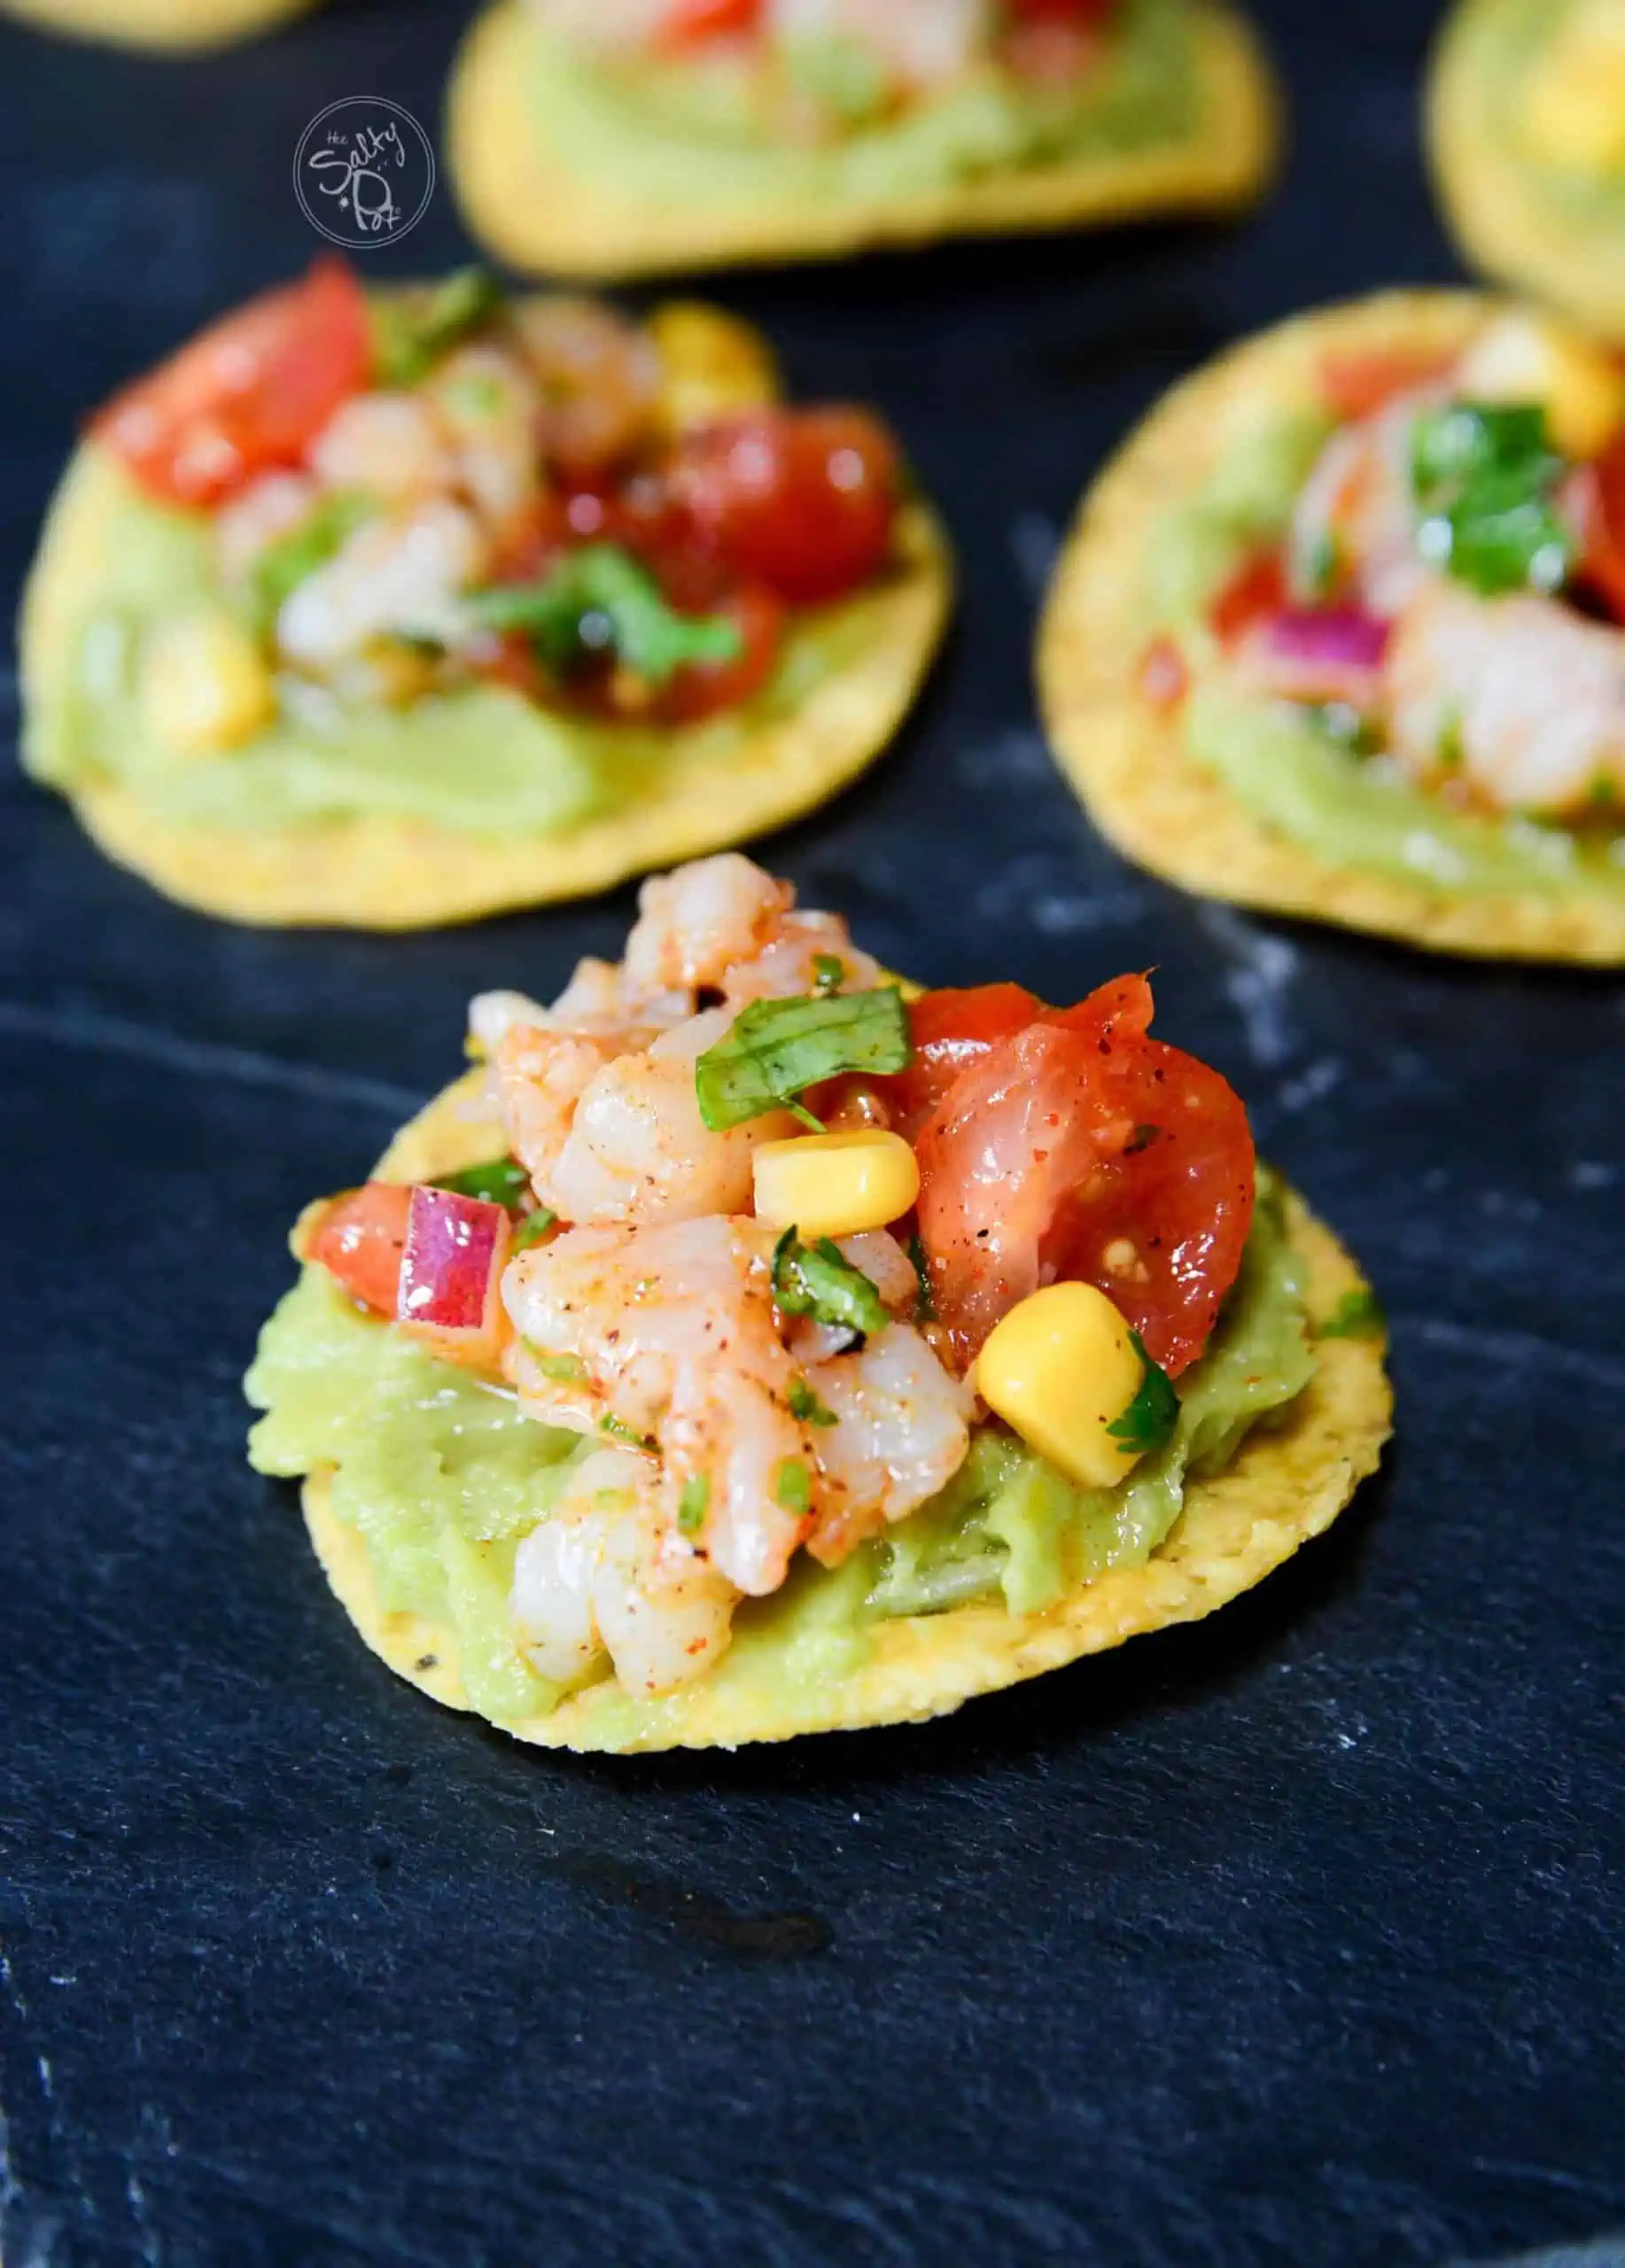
(441, 1477)
(1291, 775)
(704, 131)
(479, 761)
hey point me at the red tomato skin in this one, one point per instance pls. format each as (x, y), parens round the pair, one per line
(360, 1239)
(704, 688)
(1088, 12)
(688, 23)
(1355, 385)
(1603, 508)
(1256, 590)
(1077, 1139)
(249, 395)
(952, 1029)
(801, 499)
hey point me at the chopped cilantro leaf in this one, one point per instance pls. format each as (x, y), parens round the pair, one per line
(925, 1301)
(1358, 1315)
(499, 1181)
(694, 1504)
(1149, 1420)
(619, 1430)
(568, 1369)
(774, 1049)
(828, 972)
(820, 1281)
(805, 1405)
(599, 603)
(1485, 477)
(793, 1485)
(533, 1226)
(412, 329)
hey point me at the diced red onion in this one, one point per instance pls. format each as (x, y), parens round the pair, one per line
(457, 1248)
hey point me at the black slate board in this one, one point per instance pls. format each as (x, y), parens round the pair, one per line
(1289, 1940)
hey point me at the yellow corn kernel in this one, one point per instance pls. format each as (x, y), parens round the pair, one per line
(1059, 1369)
(711, 364)
(1526, 357)
(836, 1185)
(1575, 106)
(204, 684)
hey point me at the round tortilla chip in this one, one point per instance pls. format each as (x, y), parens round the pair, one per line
(377, 872)
(1504, 220)
(1289, 1480)
(540, 217)
(1127, 759)
(181, 26)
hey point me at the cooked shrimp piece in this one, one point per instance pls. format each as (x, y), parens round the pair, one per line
(694, 924)
(923, 41)
(261, 515)
(1356, 503)
(596, 1576)
(669, 1332)
(901, 1432)
(598, 376)
(540, 1074)
(402, 576)
(1520, 698)
(637, 1149)
(492, 1015)
(789, 965)
(390, 445)
(486, 404)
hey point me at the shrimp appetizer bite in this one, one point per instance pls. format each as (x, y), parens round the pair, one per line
(1527, 122)
(752, 1345)
(393, 608)
(617, 137)
(1342, 632)
(182, 26)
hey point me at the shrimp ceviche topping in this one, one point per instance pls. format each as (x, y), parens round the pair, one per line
(414, 492)
(790, 1263)
(825, 69)
(1448, 602)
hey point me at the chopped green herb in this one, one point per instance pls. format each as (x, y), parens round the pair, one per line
(793, 1485)
(805, 1405)
(1317, 567)
(775, 1049)
(476, 398)
(501, 1181)
(1603, 791)
(533, 1227)
(1342, 723)
(1149, 1420)
(567, 1368)
(818, 1280)
(291, 559)
(1451, 752)
(620, 1431)
(694, 1504)
(1358, 1315)
(925, 1299)
(1485, 477)
(828, 972)
(599, 604)
(412, 331)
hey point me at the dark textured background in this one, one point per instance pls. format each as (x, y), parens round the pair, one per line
(1289, 1939)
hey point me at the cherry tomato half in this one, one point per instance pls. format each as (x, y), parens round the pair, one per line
(1079, 1149)
(801, 499)
(1602, 566)
(250, 394)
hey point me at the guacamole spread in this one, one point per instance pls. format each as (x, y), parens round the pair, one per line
(441, 1477)
(478, 759)
(702, 131)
